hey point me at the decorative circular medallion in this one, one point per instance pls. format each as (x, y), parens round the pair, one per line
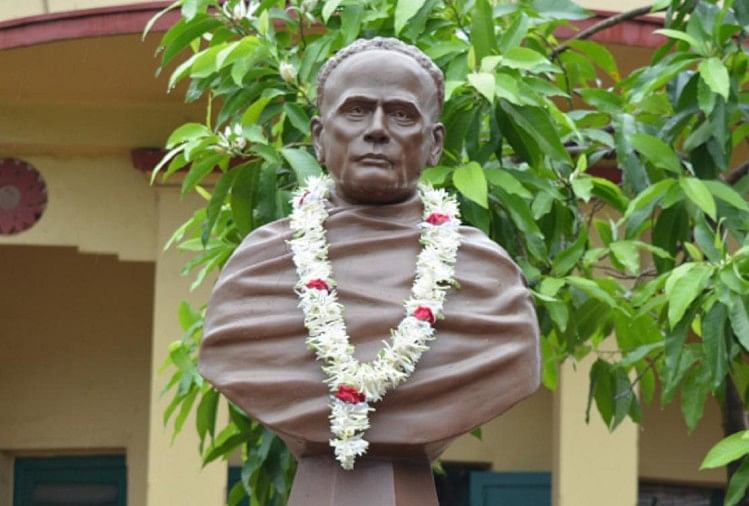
(23, 196)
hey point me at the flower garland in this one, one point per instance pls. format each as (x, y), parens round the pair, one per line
(354, 385)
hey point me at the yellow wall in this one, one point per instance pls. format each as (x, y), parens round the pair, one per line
(668, 453)
(519, 440)
(98, 204)
(75, 360)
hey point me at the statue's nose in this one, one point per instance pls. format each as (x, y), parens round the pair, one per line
(377, 131)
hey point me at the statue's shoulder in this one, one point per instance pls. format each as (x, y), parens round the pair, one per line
(480, 255)
(267, 241)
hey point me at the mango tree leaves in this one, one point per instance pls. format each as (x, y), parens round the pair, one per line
(696, 190)
(405, 10)
(303, 163)
(727, 450)
(471, 182)
(715, 75)
(657, 152)
(685, 283)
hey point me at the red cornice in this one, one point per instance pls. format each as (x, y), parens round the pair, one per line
(78, 24)
(633, 32)
(128, 19)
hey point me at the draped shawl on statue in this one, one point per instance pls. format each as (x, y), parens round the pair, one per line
(484, 359)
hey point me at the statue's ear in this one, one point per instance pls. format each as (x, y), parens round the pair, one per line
(438, 142)
(317, 128)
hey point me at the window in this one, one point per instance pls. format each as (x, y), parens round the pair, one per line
(660, 494)
(70, 481)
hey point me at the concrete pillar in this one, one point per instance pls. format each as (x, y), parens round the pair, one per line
(590, 464)
(175, 474)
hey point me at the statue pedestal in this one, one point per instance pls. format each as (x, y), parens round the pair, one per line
(320, 481)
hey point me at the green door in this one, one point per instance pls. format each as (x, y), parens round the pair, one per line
(70, 481)
(510, 489)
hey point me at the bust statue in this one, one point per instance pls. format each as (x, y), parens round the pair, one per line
(378, 127)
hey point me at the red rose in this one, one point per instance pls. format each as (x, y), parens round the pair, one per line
(438, 218)
(425, 314)
(318, 284)
(304, 196)
(350, 394)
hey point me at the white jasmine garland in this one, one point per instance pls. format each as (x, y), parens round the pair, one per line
(355, 385)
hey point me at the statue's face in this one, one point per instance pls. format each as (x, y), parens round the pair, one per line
(377, 127)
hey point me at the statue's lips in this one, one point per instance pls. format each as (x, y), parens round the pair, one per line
(374, 159)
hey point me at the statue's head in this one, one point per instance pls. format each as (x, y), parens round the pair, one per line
(380, 101)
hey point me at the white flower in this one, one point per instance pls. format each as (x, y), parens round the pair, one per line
(288, 72)
(323, 314)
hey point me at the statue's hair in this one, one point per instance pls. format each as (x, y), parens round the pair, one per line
(388, 44)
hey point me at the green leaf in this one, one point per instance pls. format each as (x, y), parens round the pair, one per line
(537, 123)
(705, 97)
(683, 286)
(715, 75)
(592, 289)
(628, 254)
(682, 36)
(515, 33)
(243, 197)
(471, 182)
(303, 163)
(482, 29)
(648, 197)
(727, 450)
(714, 343)
(183, 33)
(252, 114)
(297, 117)
(218, 197)
(566, 260)
(602, 389)
(551, 286)
(693, 396)
(722, 191)
(186, 132)
(205, 64)
(405, 10)
(505, 180)
(157, 16)
(609, 193)
(737, 485)
(582, 185)
(634, 356)
(436, 175)
(696, 190)
(739, 321)
(523, 58)
(484, 84)
(657, 152)
(599, 54)
(329, 8)
(200, 169)
(205, 418)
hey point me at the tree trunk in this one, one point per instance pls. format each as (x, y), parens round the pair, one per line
(734, 420)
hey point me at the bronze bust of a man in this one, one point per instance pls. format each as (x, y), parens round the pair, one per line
(380, 102)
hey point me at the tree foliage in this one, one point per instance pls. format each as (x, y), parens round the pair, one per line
(649, 274)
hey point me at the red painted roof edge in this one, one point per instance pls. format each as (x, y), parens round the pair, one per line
(132, 18)
(77, 24)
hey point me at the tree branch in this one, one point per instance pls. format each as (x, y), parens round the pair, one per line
(736, 174)
(602, 25)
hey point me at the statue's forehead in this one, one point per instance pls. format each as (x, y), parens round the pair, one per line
(380, 72)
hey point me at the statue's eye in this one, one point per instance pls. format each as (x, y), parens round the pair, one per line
(356, 111)
(402, 116)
